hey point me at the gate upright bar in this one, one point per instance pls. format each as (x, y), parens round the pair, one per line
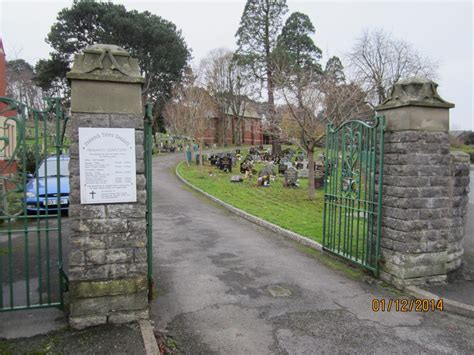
(149, 194)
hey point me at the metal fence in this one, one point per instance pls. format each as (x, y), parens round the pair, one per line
(33, 197)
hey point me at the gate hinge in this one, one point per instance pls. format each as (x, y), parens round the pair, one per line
(64, 278)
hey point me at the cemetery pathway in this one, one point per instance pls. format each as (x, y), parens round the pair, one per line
(225, 285)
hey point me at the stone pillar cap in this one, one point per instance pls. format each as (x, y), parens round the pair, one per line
(414, 91)
(105, 62)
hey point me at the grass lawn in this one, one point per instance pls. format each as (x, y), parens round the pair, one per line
(289, 208)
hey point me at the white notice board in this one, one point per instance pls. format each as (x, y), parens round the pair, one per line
(107, 165)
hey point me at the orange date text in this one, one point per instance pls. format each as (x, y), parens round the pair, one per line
(407, 305)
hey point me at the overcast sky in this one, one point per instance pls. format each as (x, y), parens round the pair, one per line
(442, 30)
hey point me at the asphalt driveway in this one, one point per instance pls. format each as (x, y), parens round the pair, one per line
(225, 285)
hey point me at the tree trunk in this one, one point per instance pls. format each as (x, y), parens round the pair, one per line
(311, 189)
(225, 123)
(238, 132)
(276, 143)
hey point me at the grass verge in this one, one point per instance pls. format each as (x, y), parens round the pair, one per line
(288, 208)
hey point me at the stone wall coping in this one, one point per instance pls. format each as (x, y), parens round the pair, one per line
(460, 156)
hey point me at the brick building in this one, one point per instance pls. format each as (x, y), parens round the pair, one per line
(250, 126)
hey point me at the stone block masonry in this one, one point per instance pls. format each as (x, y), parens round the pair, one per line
(459, 196)
(424, 188)
(108, 255)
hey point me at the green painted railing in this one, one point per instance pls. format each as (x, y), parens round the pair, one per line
(353, 191)
(31, 265)
(149, 192)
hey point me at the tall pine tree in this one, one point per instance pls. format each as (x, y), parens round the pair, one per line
(257, 36)
(297, 56)
(334, 71)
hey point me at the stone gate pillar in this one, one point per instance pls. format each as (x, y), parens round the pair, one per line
(424, 199)
(107, 245)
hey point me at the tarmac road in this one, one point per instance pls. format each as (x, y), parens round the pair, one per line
(225, 285)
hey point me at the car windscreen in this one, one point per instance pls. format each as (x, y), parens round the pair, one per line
(49, 168)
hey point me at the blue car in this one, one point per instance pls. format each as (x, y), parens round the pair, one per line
(42, 188)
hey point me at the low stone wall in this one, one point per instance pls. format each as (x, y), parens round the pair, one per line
(459, 197)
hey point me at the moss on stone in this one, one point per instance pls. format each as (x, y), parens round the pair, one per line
(87, 289)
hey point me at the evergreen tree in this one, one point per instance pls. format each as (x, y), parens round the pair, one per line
(295, 45)
(298, 74)
(160, 48)
(257, 36)
(334, 70)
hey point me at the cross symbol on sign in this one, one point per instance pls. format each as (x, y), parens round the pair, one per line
(92, 193)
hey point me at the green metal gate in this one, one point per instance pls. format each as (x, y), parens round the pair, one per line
(148, 143)
(34, 191)
(353, 191)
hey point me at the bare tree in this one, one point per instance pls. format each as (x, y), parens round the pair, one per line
(240, 91)
(379, 60)
(313, 100)
(189, 111)
(20, 84)
(215, 69)
(228, 84)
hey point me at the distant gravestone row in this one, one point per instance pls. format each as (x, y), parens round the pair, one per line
(292, 165)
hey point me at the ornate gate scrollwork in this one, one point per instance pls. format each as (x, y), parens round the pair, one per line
(352, 202)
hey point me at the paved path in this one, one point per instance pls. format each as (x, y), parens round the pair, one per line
(227, 286)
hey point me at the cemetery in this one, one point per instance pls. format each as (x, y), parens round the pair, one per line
(164, 195)
(263, 190)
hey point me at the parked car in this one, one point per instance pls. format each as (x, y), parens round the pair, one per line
(42, 187)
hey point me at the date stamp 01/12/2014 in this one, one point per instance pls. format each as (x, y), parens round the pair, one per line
(407, 305)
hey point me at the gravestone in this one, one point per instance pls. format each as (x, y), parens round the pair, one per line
(269, 168)
(318, 178)
(291, 177)
(282, 168)
(213, 158)
(225, 164)
(246, 166)
(233, 158)
(303, 173)
(236, 178)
